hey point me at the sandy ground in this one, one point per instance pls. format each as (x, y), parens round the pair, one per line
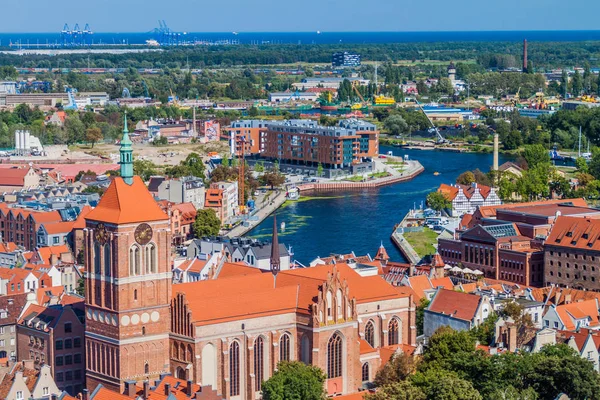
(162, 155)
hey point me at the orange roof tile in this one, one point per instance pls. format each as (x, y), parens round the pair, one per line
(419, 283)
(46, 216)
(59, 227)
(237, 269)
(106, 394)
(47, 251)
(80, 221)
(8, 247)
(353, 396)
(445, 282)
(587, 309)
(13, 176)
(575, 232)
(490, 211)
(448, 191)
(365, 347)
(123, 203)
(456, 304)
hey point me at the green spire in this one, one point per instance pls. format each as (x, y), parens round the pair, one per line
(126, 156)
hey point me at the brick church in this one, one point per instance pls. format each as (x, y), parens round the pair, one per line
(231, 331)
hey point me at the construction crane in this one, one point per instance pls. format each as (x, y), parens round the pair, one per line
(440, 138)
(354, 84)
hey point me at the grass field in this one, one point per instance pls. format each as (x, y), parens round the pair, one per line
(422, 242)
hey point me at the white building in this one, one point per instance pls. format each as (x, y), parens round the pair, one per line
(281, 97)
(466, 199)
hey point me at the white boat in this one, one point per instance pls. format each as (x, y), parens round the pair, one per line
(282, 226)
(293, 193)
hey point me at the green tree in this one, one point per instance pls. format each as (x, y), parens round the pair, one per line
(320, 170)
(75, 129)
(259, 166)
(272, 178)
(195, 166)
(80, 287)
(93, 135)
(511, 393)
(536, 155)
(452, 388)
(581, 165)
(399, 368)
(207, 223)
(160, 141)
(438, 201)
(144, 169)
(295, 381)
(396, 125)
(484, 333)
(594, 167)
(420, 314)
(397, 391)
(576, 83)
(512, 140)
(466, 178)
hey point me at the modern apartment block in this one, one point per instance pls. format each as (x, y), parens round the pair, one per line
(305, 142)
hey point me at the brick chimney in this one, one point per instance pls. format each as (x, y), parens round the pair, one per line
(85, 394)
(130, 388)
(28, 364)
(167, 389)
(568, 298)
(53, 259)
(189, 389)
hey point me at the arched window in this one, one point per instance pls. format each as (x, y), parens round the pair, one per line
(334, 356)
(182, 355)
(175, 351)
(135, 294)
(393, 332)
(284, 348)
(329, 306)
(146, 368)
(107, 263)
(190, 353)
(134, 260)
(305, 349)
(259, 363)
(365, 372)
(234, 369)
(97, 259)
(143, 330)
(151, 258)
(370, 333)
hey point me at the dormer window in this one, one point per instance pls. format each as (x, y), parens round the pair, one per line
(569, 234)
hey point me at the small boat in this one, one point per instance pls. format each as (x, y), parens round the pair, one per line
(282, 226)
(436, 173)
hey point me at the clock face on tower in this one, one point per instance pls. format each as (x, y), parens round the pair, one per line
(100, 234)
(143, 234)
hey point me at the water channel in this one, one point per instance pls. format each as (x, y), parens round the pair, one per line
(360, 220)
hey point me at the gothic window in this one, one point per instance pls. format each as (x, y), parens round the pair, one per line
(107, 263)
(339, 300)
(151, 258)
(365, 372)
(134, 261)
(97, 259)
(234, 369)
(284, 348)
(135, 294)
(329, 305)
(259, 365)
(146, 368)
(393, 332)
(143, 330)
(334, 356)
(370, 333)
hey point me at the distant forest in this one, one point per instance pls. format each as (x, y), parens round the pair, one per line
(543, 55)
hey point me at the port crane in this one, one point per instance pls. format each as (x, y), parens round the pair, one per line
(440, 138)
(76, 36)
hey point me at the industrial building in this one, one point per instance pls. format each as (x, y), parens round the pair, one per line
(304, 142)
(281, 97)
(327, 82)
(345, 59)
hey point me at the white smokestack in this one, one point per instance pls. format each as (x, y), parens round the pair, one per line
(27, 141)
(496, 149)
(17, 141)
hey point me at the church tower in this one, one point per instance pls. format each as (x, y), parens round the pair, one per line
(127, 282)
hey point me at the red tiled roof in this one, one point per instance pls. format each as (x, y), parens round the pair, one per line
(365, 347)
(123, 203)
(237, 269)
(8, 247)
(490, 211)
(419, 283)
(456, 304)
(80, 221)
(59, 227)
(580, 310)
(13, 176)
(106, 394)
(47, 251)
(445, 282)
(576, 233)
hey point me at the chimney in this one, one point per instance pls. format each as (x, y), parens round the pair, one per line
(28, 364)
(130, 388)
(496, 150)
(512, 338)
(188, 389)
(85, 394)
(167, 389)
(53, 259)
(146, 389)
(568, 298)
(525, 55)
(53, 396)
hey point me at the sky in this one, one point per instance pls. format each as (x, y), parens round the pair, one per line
(300, 15)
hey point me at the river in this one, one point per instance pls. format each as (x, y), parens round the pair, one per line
(359, 221)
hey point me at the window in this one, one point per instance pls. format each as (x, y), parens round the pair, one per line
(284, 348)
(146, 368)
(19, 395)
(77, 343)
(68, 343)
(234, 369)
(59, 377)
(59, 361)
(143, 330)
(151, 258)
(45, 391)
(370, 333)
(69, 360)
(334, 356)
(58, 345)
(69, 376)
(135, 294)
(259, 363)
(68, 327)
(77, 358)
(97, 259)
(393, 332)
(107, 263)
(1, 327)
(2, 343)
(134, 260)
(77, 374)
(555, 324)
(365, 372)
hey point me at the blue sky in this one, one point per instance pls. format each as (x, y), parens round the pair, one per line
(300, 15)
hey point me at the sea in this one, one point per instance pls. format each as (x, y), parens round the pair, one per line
(316, 37)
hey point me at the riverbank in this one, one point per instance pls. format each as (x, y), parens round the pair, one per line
(258, 217)
(413, 168)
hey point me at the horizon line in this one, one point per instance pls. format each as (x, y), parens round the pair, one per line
(323, 32)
